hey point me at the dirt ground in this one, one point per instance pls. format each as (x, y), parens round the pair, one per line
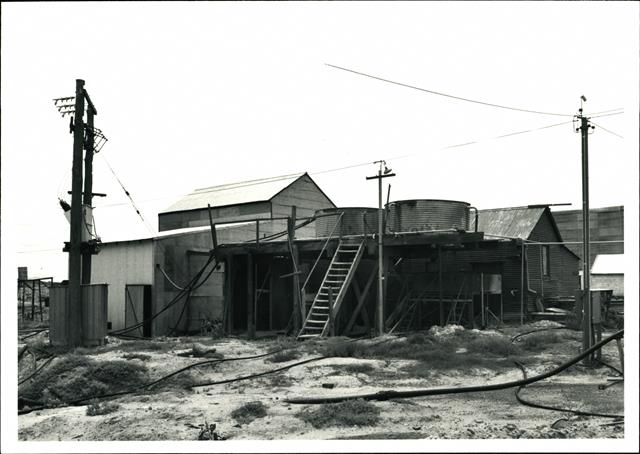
(176, 413)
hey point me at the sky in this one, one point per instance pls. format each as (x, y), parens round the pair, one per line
(198, 94)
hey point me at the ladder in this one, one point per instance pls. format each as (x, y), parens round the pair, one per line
(339, 275)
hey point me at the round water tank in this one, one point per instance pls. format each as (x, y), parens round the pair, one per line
(427, 214)
(355, 221)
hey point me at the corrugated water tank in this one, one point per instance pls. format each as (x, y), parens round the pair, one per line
(427, 214)
(355, 221)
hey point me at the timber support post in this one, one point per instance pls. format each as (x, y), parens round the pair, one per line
(440, 301)
(299, 310)
(214, 236)
(251, 318)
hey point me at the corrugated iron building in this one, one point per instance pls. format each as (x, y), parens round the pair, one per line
(550, 271)
(605, 224)
(144, 275)
(257, 199)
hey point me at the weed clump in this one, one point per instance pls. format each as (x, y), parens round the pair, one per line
(283, 356)
(249, 412)
(349, 413)
(492, 345)
(74, 377)
(536, 341)
(101, 408)
(362, 368)
(199, 351)
(140, 356)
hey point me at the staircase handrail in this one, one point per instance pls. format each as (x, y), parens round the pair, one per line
(321, 251)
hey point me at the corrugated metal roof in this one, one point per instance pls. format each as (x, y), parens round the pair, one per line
(608, 264)
(517, 222)
(234, 193)
(175, 232)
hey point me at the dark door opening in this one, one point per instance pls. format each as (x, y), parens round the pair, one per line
(138, 309)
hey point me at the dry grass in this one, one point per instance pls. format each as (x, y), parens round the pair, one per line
(543, 339)
(363, 368)
(283, 356)
(140, 356)
(349, 413)
(101, 408)
(200, 351)
(249, 412)
(75, 377)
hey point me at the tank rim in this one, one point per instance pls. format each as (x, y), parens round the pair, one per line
(429, 200)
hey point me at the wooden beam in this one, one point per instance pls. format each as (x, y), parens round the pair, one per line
(402, 299)
(251, 318)
(214, 237)
(228, 295)
(299, 309)
(361, 297)
(440, 303)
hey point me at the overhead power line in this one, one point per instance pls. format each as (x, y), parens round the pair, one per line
(151, 230)
(352, 166)
(606, 115)
(459, 98)
(605, 129)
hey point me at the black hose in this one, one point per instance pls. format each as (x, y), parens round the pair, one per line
(212, 361)
(189, 287)
(35, 372)
(189, 290)
(548, 407)
(272, 371)
(392, 394)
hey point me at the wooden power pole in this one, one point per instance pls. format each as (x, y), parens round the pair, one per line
(74, 303)
(380, 305)
(587, 323)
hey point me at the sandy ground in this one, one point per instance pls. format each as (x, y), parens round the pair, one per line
(176, 414)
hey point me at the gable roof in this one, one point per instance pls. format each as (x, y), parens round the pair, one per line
(261, 190)
(516, 222)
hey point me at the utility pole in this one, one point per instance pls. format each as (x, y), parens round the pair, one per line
(587, 324)
(74, 304)
(88, 187)
(85, 137)
(380, 306)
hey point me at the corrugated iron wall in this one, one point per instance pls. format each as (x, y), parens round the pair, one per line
(119, 264)
(420, 215)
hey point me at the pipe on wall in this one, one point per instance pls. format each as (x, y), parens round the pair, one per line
(476, 218)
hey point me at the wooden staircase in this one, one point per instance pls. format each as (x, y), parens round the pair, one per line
(339, 275)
